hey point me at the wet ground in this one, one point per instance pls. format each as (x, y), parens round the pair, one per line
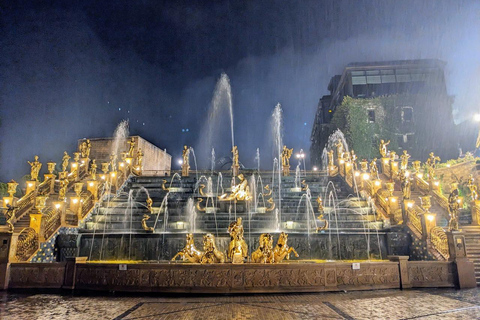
(381, 304)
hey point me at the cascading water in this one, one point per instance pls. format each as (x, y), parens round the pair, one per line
(212, 165)
(120, 136)
(257, 159)
(277, 132)
(191, 213)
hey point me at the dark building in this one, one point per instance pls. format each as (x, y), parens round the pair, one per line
(422, 109)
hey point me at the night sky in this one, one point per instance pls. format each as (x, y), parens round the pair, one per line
(70, 71)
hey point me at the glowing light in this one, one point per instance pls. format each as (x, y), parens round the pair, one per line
(128, 161)
(430, 217)
(366, 176)
(74, 165)
(393, 199)
(315, 168)
(180, 161)
(7, 201)
(91, 184)
(436, 183)
(395, 164)
(377, 183)
(385, 161)
(407, 174)
(342, 161)
(357, 174)
(30, 185)
(57, 205)
(289, 224)
(75, 201)
(410, 204)
(83, 161)
(459, 200)
(476, 117)
(122, 165)
(103, 177)
(112, 174)
(420, 175)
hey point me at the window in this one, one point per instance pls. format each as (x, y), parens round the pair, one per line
(371, 115)
(360, 91)
(407, 114)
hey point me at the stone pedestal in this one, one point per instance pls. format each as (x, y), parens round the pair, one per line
(60, 206)
(85, 163)
(51, 178)
(385, 165)
(403, 270)
(429, 220)
(393, 169)
(7, 246)
(458, 254)
(76, 206)
(475, 205)
(285, 171)
(235, 170)
(36, 223)
(31, 186)
(185, 170)
(12, 201)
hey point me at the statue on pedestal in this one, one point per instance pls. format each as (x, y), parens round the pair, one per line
(211, 253)
(353, 159)
(113, 162)
(331, 162)
(140, 158)
(383, 148)
(189, 252)
(405, 184)
(65, 160)
(282, 250)
(85, 148)
(339, 146)
(286, 154)
(131, 147)
(35, 168)
(186, 161)
(453, 207)
(405, 156)
(93, 170)
(238, 249)
(374, 168)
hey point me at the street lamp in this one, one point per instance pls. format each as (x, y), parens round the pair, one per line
(301, 156)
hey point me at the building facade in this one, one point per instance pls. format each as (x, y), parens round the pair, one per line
(418, 106)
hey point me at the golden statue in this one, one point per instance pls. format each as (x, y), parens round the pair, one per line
(282, 250)
(149, 204)
(470, 180)
(383, 148)
(353, 159)
(189, 252)
(113, 161)
(286, 154)
(321, 211)
(76, 156)
(405, 156)
(65, 160)
(85, 148)
(405, 184)
(131, 144)
(331, 162)
(140, 158)
(431, 161)
(339, 146)
(269, 191)
(144, 223)
(304, 185)
(453, 207)
(93, 170)
(9, 215)
(272, 205)
(238, 249)
(186, 161)
(211, 253)
(264, 253)
(35, 168)
(197, 205)
(239, 192)
(473, 192)
(374, 168)
(63, 189)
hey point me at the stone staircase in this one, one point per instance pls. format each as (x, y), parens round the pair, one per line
(472, 243)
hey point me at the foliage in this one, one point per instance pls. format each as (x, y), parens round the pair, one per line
(361, 135)
(3, 189)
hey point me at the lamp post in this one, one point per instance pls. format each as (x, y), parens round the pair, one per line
(301, 157)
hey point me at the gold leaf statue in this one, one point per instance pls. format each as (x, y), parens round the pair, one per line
(282, 250)
(189, 252)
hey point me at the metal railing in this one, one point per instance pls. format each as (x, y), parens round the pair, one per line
(439, 241)
(27, 244)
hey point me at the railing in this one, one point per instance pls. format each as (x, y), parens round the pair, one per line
(438, 238)
(52, 221)
(24, 205)
(422, 184)
(413, 217)
(440, 198)
(27, 244)
(45, 187)
(87, 204)
(382, 200)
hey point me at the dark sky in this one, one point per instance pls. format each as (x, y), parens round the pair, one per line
(74, 69)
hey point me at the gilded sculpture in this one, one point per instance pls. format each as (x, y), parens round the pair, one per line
(35, 168)
(374, 168)
(405, 156)
(63, 189)
(131, 147)
(264, 253)
(239, 192)
(321, 211)
(282, 250)
(353, 159)
(144, 223)
(473, 188)
(139, 159)
(453, 207)
(238, 249)
(211, 254)
(383, 148)
(331, 162)
(339, 145)
(113, 162)
(406, 184)
(93, 170)
(186, 161)
(65, 160)
(189, 252)
(149, 203)
(286, 154)
(85, 147)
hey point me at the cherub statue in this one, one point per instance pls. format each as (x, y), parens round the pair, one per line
(383, 148)
(65, 160)
(405, 156)
(35, 168)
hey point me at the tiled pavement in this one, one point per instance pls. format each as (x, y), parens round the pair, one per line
(381, 304)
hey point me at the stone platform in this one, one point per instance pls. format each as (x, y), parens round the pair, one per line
(305, 276)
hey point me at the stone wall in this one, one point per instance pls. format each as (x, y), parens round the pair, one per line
(236, 278)
(156, 161)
